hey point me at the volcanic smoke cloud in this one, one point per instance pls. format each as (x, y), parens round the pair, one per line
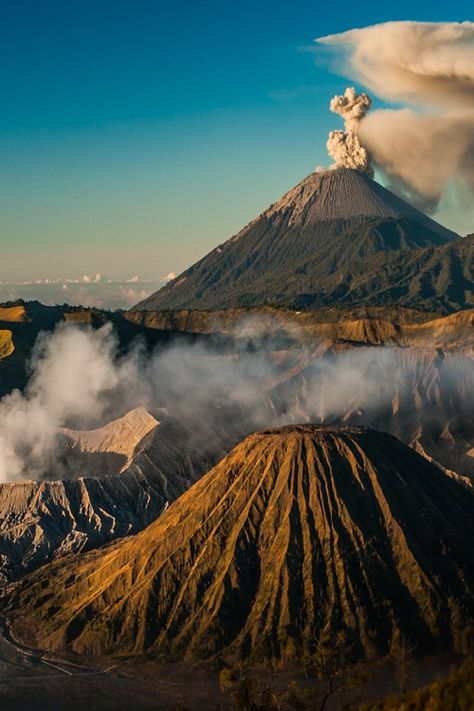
(429, 66)
(81, 379)
(344, 146)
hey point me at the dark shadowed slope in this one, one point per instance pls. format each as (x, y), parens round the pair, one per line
(303, 244)
(455, 693)
(299, 533)
(436, 278)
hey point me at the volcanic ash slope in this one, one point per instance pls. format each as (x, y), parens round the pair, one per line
(312, 248)
(299, 533)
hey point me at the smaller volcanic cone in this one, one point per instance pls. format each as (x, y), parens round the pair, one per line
(300, 533)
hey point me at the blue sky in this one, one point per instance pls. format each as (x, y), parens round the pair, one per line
(135, 136)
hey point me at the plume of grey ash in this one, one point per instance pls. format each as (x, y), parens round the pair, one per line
(424, 147)
(345, 147)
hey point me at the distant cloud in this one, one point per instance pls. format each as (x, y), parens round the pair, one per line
(95, 291)
(96, 279)
(169, 276)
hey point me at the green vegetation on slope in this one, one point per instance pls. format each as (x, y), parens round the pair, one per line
(318, 270)
(456, 693)
(337, 238)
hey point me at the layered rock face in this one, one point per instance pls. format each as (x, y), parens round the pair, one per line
(299, 534)
(109, 449)
(43, 520)
(420, 395)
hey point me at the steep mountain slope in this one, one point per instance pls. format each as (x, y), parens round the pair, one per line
(299, 533)
(420, 395)
(434, 278)
(111, 447)
(303, 244)
(326, 367)
(345, 194)
(42, 520)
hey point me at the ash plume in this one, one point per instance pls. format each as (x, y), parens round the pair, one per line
(351, 106)
(345, 147)
(427, 147)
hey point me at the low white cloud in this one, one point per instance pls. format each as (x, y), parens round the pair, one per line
(92, 291)
(81, 379)
(96, 279)
(76, 373)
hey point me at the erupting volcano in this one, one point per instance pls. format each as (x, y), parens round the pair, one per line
(307, 249)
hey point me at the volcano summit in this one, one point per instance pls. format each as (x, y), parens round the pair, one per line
(310, 248)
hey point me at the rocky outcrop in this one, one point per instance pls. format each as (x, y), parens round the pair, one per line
(43, 520)
(109, 449)
(361, 326)
(6, 343)
(420, 395)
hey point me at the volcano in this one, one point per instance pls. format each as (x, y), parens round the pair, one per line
(300, 534)
(303, 249)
